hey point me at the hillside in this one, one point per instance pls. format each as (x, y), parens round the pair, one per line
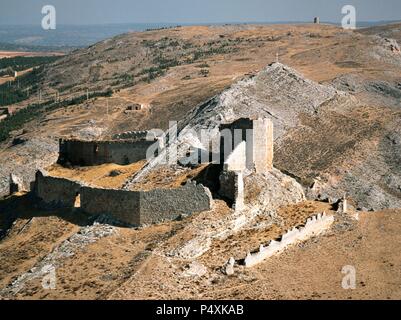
(334, 97)
(171, 71)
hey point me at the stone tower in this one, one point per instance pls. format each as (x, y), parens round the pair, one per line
(258, 137)
(262, 148)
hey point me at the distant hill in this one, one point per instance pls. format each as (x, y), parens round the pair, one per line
(34, 38)
(67, 37)
(31, 48)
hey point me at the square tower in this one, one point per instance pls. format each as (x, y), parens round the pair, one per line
(262, 149)
(258, 136)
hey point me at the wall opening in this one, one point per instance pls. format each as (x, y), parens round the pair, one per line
(209, 177)
(77, 202)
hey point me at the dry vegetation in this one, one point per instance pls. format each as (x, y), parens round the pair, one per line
(171, 71)
(110, 176)
(132, 264)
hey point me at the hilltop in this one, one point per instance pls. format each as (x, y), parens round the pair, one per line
(329, 101)
(334, 99)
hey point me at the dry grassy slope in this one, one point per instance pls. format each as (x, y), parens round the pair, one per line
(392, 31)
(343, 142)
(132, 264)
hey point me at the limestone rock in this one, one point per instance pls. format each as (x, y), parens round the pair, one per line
(195, 269)
(229, 267)
(272, 190)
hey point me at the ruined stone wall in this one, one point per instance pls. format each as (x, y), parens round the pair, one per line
(130, 207)
(232, 188)
(135, 135)
(231, 135)
(88, 153)
(313, 227)
(146, 207)
(57, 192)
(122, 205)
(236, 161)
(168, 204)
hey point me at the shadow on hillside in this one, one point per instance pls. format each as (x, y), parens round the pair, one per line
(25, 206)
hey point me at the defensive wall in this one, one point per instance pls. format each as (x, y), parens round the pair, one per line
(136, 135)
(55, 191)
(313, 227)
(130, 207)
(91, 153)
(244, 144)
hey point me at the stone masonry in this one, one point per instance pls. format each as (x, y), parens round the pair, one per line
(252, 148)
(90, 153)
(258, 135)
(130, 207)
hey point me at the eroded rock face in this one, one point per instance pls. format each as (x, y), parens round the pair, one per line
(271, 190)
(387, 50)
(278, 92)
(319, 132)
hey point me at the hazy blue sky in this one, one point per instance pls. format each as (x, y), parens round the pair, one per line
(192, 11)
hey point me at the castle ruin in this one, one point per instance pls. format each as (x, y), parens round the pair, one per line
(250, 149)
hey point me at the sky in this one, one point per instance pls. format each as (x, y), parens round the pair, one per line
(83, 12)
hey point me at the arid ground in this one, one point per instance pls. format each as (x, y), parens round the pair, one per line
(351, 144)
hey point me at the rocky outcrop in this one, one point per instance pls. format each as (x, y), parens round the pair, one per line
(387, 50)
(24, 160)
(278, 93)
(265, 193)
(271, 190)
(319, 132)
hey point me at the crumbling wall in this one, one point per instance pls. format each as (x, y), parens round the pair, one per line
(146, 207)
(54, 191)
(136, 135)
(314, 226)
(122, 205)
(168, 204)
(232, 188)
(89, 153)
(130, 207)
